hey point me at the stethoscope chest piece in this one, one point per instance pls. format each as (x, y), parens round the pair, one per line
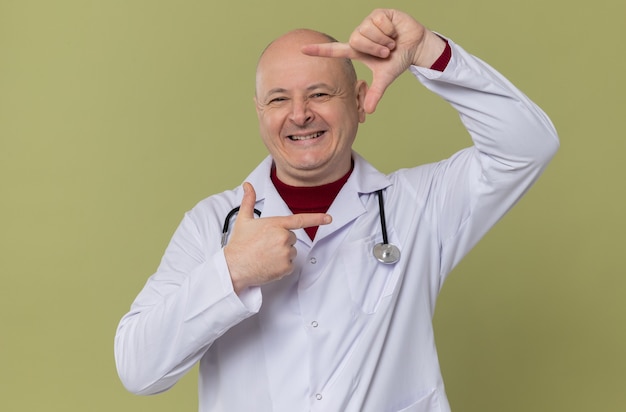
(386, 253)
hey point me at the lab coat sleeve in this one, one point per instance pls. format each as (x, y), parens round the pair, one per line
(513, 142)
(183, 308)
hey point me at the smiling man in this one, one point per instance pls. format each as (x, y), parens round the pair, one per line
(309, 109)
(297, 310)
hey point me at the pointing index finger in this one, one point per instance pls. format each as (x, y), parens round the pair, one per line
(304, 220)
(334, 49)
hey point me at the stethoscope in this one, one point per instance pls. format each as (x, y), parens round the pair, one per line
(384, 252)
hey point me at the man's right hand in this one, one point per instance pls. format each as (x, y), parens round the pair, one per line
(262, 250)
(387, 42)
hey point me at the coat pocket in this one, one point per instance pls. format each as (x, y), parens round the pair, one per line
(427, 403)
(368, 279)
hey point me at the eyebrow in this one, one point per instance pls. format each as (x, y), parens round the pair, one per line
(310, 88)
(319, 86)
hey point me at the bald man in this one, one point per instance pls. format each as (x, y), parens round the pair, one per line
(299, 310)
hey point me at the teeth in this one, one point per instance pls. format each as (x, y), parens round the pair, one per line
(307, 137)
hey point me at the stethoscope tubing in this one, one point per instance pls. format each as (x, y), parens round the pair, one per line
(227, 222)
(381, 212)
(384, 252)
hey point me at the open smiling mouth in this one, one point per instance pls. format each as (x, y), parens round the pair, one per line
(305, 137)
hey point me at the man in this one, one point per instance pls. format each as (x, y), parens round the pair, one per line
(295, 312)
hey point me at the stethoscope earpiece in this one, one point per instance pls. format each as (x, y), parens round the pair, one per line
(227, 222)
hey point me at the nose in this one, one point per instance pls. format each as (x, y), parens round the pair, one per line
(301, 114)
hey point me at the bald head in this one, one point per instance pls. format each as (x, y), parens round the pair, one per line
(289, 45)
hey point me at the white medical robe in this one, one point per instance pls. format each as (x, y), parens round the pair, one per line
(344, 332)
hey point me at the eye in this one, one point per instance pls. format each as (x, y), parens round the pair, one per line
(319, 95)
(276, 100)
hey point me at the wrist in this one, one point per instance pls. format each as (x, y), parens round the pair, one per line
(430, 51)
(236, 280)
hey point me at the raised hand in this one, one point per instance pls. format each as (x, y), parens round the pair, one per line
(387, 42)
(262, 250)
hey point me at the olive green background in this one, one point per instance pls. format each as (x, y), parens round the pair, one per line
(118, 116)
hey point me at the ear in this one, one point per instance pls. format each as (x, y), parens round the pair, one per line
(360, 92)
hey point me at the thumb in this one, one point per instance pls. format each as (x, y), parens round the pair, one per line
(247, 203)
(375, 92)
(372, 98)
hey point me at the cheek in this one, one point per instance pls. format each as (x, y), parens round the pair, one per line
(269, 124)
(269, 129)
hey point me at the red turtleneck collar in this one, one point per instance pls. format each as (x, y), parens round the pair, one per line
(309, 199)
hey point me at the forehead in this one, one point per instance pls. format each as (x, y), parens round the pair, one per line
(283, 65)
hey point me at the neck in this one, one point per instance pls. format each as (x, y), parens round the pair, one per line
(309, 199)
(312, 179)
